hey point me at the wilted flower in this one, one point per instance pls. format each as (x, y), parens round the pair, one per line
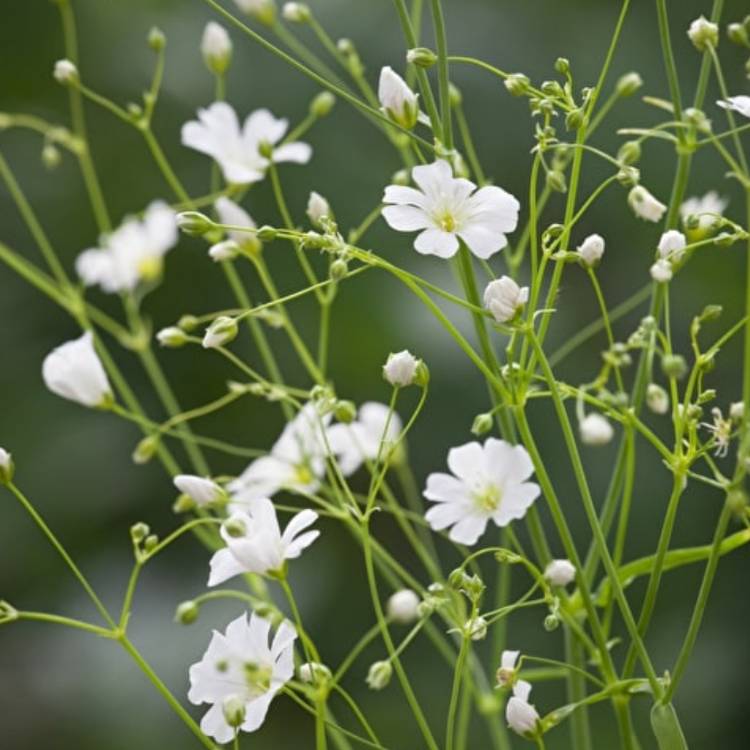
(644, 205)
(595, 429)
(506, 674)
(74, 371)
(217, 133)
(721, 430)
(403, 606)
(216, 48)
(221, 331)
(672, 245)
(398, 101)
(448, 208)
(560, 572)
(202, 491)
(505, 299)
(661, 271)
(240, 671)
(521, 716)
(591, 249)
(401, 368)
(132, 253)
(487, 482)
(739, 104)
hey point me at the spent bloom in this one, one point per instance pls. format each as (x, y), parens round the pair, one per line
(645, 205)
(703, 33)
(403, 606)
(672, 245)
(360, 440)
(201, 490)
(706, 209)
(398, 101)
(255, 544)
(591, 249)
(237, 150)
(505, 299)
(560, 572)
(400, 368)
(216, 48)
(74, 371)
(132, 253)
(506, 673)
(521, 716)
(487, 482)
(446, 209)
(221, 331)
(739, 104)
(721, 429)
(661, 271)
(240, 674)
(595, 429)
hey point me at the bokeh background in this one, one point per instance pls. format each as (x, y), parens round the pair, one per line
(66, 690)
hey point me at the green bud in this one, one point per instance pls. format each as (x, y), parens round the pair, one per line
(296, 13)
(150, 542)
(194, 223)
(674, 366)
(145, 450)
(575, 119)
(454, 95)
(556, 181)
(737, 34)
(139, 531)
(222, 331)
(188, 323)
(233, 708)
(551, 622)
(265, 149)
(629, 176)
(172, 337)
(421, 375)
(235, 527)
(422, 57)
(737, 501)
(183, 504)
(708, 395)
(703, 34)
(322, 104)
(345, 411)
(628, 84)
(476, 628)
(482, 424)
(156, 39)
(629, 153)
(562, 65)
(517, 84)
(267, 234)
(401, 177)
(339, 269)
(187, 612)
(51, 156)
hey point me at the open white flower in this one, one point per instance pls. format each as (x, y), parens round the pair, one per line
(487, 482)
(505, 299)
(74, 371)
(591, 249)
(236, 149)
(398, 101)
(706, 208)
(672, 245)
(359, 441)
(201, 490)
(506, 673)
(133, 253)
(645, 206)
(255, 543)
(560, 572)
(296, 462)
(595, 429)
(521, 716)
(239, 668)
(447, 208)
(739, 104)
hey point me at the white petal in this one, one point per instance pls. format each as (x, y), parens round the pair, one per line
(481, 241)
(406, 218)
(255, 712)
(433, 178)
(468, 529)
(298, 152)
(261, 125)
(516, 500)
(402, 195)
(445, 514)
(445, 487)
(300, 521)
(467, 461)
(213, 724)
(224, 565)
(436, 242)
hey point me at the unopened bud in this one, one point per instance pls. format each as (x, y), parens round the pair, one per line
(266, 233)
(65, 72)
(517, 84)
(172, 337)
(296, 13)
(222, 331)
(422, 57)
(322, 104)
(234, 711)
(629, 152)
(482, 424)
(187, 612)
(674, 366)
(50, 156)
(194, 223)
(139, 531)
(556, 181)
(628, 84)
(156, 39)
(7, 467)
(145, 450)
(379, 675)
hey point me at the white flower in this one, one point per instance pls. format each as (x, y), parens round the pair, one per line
(255, 543)
(505, 299)
(507, 671)
(661, 271)
(240, 666)
(403, 606)
(65, 72)
(400, 369)
(487, 482)
(721, 429)
(360, 440)
(132, 253)
(398, 101)
(74, 371)
(521, 716)
(672, 245)
(703, 33)
(202, 491)
(217, 133)
(657, 399)
(448, 208)
(737, 411)
(221, 331)
(706, 209)
(317, 208)
(644, 205)
(591, 249)
(595, 429)
(740, 104)
(560, 572)
(232, 214)
(221, 251)
(379, 675)
(296, 461)
(216, 48)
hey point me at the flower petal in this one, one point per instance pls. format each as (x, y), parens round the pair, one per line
(469, 529)
(467, 461)
(482, 242)
(297, 152)
(224, 565)
(406, 218)
(436, 242)
(402, 195)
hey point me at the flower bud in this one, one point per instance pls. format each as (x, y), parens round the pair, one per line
(172, 337)
(517, 84)
(188, 323)
(560, 572)
(628, 84)
(703, 34)
(139, 531)
(216, 48)
(562, 65)
(629, 153)
(505, 299)
(398, 101)
(644, 205)
(150, 542)
(737, 411)
(234, 711)
(314, 673)
(220, 332)
(51, 156)
(575, 119)
(235, 527)
(145, 450)
(187, 612)
(595, 429)
(551, 622)
(402, 607)
(203, 491)
(7, 468)
(738, 34)
(266, 233)
(422, 57)
(657, 399)
(476, 628)
(322, 104)
(482, 424)
(65, 72)
(379, 675)
(454, 95)
(674, 366)
(672, 245)
(296, 13)
(345, 411)
(401, 177)
(556, 181)
(156, 39)
(400, 369)
(661, 271)
(194, 223)
(318, 209)
(422, 375)
(591, 250)
(339, 269)
(222, 251)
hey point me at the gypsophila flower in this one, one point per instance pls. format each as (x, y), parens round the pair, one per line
(201, 490)
(661, 271)
(706, 209)
(65, 72)
(476, 628)
(560, 572)
(74, 371)
(739, 104)
(672, 245)
(721, 430)
(737, 411)
(644, 205)
(591, 249)
(239, 666)
(255, 544)
(237, 151)
(359, 441)
(221, 251)
(232, 214)
(505, 299)
(703, 33)
(317, 208)
(447, 209)
(403, 606)
(521, 716)
(657, 399)
(216, 48)
(296, 461)
(400, 369)
(379, 675)
(398, 101)
(222, 331)
(296, 12)
(131, 254)
(506, 673)
(487, 483)
(595, 429)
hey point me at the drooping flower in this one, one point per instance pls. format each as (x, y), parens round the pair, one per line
(237, 150)
(133, 253)
(706, 209)
(201, 490)
(359, 441)
(521, 716)
(74, 371)
(595, 429)
(398, 101)
(447, 208)
(255, 544)
(661, 271)
(645, 206)
(216, 48)
(401, 368)
(403, 606)
(505, 299)
(232, 214)
(672, 245)
(487, 483)
(240, 674)
(506, 673)
(591, 249)
(296, 461)
(739, 104)
(560, 572)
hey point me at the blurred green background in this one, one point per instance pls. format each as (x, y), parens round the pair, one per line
(60, 689)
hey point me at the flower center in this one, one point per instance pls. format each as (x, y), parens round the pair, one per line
(302, 474)
(447, 222)
(488, 498)
(257, 678)
(150, 268)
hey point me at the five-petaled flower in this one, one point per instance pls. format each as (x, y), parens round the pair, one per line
(446, 209)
